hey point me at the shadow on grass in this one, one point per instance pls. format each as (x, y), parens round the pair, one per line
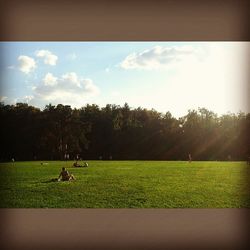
(54, 180)
(51, 180)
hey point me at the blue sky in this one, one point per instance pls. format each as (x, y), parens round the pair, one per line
(166, 76)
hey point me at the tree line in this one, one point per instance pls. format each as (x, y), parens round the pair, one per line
(120, 133)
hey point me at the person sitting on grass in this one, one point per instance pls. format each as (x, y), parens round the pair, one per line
(65, 175)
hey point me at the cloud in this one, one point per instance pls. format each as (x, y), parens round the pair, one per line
(215, 78)
(68, 89)
(157, 57)
(26, 98)
(48, 57)
(13, 101)
(3, 98)
(9, 100)
(49, 80)
(26, 64)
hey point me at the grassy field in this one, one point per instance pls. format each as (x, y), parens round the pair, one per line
(126, 184)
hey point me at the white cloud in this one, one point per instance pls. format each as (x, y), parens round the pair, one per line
(3, 98)
(158, 57)
(90, 87)
(26, 64)
(48, 57)
(50, 80)
(71, 78)
(214, 78)
(27, 98)
(68, 89)
(8, 100)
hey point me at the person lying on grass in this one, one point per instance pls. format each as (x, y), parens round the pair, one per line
(85, 164)
(65, 175)
(76, 164)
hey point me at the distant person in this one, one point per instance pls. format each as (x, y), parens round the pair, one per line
(189, 158)
(75, 164)
(65, 175)
(248, 160)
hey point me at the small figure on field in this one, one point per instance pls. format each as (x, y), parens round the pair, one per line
(65, 175)
(85, 164)
(189, 158)
(75, 164)
(248, 160)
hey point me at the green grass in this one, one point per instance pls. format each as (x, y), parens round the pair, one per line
(126, 184)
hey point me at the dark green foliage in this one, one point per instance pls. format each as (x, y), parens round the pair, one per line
(28, 133)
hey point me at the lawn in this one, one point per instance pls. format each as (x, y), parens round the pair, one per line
(126, 184)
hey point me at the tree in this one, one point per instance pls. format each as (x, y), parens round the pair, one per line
(29, 133)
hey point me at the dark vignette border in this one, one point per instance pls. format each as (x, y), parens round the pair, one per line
(138, 20)
(110, 20)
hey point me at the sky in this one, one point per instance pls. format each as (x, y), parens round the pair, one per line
(165, 76)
